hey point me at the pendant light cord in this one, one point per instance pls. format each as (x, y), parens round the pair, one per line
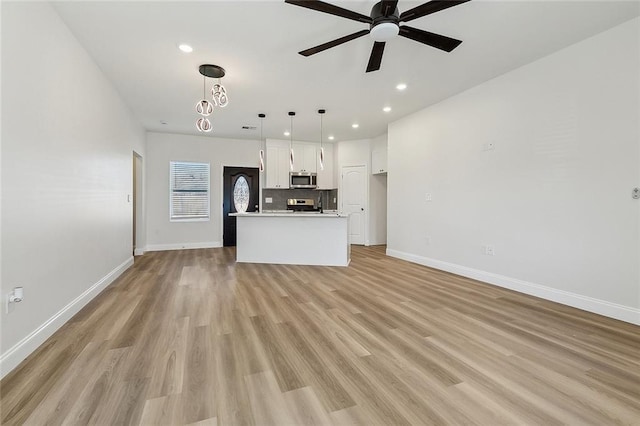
(321, 138)
(261, 123)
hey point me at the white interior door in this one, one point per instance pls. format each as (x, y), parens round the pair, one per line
(354, 198)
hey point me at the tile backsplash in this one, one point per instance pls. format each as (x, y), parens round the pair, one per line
(279, 197)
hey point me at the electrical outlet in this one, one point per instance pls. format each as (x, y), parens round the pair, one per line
(268, 200)
(489, 250)
(428, 196)
(427, 240)
(489, 146)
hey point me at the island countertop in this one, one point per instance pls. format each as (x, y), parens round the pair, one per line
(293, 214)
(293, 238)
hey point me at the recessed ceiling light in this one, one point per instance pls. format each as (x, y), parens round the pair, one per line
(386, 109)
(287, 133)
(331, 138)
(401, 86)
(355, 125)
(185, 48)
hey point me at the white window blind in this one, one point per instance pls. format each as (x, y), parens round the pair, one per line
(189, 191)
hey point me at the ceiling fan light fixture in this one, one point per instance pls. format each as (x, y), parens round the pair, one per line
(384, 31)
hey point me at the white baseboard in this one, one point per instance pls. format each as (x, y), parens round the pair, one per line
(586, 303)
(15, 355)
(183, 246)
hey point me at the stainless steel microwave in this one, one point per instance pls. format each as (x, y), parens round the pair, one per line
(303, 180)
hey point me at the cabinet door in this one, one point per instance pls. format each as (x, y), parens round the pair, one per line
(325, 177)
(298, 157)
(271, 168)
(277, 167)
(379, 161)
(304, 157)
(310, 158)
(283, 167)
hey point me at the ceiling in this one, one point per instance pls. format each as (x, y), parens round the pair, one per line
(135, 45)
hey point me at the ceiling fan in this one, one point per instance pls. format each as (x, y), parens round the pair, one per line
(384, 24)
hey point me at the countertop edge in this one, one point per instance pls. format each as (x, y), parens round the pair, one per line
(298, 215)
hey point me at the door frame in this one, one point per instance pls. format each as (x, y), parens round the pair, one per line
(366, 196)
(138, 205)
(261, 181)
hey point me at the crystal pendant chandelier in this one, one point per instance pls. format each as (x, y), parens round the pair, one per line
(203, 124)
(204, 108)
(218, 94)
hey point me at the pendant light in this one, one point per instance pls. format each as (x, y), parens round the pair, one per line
(321, 112)
(204, 108)
(261, 117)
(218, 93)
(291, 115)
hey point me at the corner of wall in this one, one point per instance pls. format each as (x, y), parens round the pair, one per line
(11, 358)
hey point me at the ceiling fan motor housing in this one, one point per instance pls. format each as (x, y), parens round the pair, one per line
(383, 28)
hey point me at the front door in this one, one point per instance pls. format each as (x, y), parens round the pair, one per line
(354, 196)
(244, 183)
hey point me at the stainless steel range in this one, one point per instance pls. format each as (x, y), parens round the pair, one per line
(301, 204)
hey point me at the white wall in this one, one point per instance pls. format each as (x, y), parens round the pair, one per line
(378, 199)
(553, 197)
(165, 147)
(67, 144)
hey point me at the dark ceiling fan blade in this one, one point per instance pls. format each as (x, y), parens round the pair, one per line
(388, 6)
(376, 56)
(330, 9)
(333, 43)
(434, 40)
(428, 8)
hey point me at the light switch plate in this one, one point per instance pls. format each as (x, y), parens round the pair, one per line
(268, 200)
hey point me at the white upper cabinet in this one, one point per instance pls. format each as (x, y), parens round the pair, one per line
(277, 164)
(379, 155)
(325, 177)
(305, 157)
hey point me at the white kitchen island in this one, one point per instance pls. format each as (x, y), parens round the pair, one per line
(293, 238)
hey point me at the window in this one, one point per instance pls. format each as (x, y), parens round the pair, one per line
(189, 191)
(241, 195)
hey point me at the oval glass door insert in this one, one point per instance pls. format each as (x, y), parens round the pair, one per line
(241, 194)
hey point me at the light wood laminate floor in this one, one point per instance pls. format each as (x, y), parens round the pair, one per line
(188, 337)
